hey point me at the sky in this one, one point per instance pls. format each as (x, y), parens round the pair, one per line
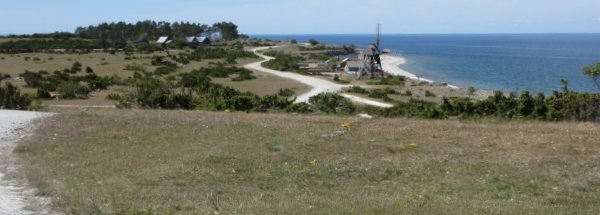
(313, 16)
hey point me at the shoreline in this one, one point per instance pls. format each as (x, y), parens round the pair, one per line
(391, 64)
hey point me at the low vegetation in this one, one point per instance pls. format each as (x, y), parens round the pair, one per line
(176, 162)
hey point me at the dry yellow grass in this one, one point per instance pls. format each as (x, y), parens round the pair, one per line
(176, 162)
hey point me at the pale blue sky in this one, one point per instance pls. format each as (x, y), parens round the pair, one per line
(314, 16)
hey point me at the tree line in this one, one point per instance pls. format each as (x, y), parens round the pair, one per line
(118, 35)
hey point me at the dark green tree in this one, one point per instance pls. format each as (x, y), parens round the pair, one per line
(593, 71)
(228, 30)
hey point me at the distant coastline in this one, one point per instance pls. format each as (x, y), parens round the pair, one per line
(505, 62)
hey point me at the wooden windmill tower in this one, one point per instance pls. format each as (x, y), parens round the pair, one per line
(370, 57)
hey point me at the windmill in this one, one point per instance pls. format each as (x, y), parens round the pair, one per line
(371, 61)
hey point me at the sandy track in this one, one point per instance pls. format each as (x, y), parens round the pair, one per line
(13, 197)
(317, 85)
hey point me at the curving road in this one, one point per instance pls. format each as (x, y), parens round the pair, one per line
(317, 85)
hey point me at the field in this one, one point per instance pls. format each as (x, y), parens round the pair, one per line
(106, 64)
(177, 162)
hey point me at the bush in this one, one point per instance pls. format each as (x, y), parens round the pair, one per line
(429, 94)
(76, 67)
(286, 92)
(282, 62)
(11, 98)
(302, 107)
(390, 80)
(332, 103)
(72, 90)
(244, 75)
(357, 89)
(135, 67)
(114, 97)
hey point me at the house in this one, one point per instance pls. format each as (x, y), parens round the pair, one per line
(352, 67)
(141, 42)
(163, 40)
(204, 40)
(216, 36)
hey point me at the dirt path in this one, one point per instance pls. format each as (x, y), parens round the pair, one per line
(318, 85)
(14, 197)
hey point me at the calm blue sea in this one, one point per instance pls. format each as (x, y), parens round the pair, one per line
(507, 62)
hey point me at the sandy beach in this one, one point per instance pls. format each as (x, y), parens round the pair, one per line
(391, 64)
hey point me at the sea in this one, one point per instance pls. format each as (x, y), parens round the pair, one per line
(505, 62)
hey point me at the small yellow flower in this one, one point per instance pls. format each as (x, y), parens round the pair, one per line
(227, 111)
(412, 145)
(313, 162)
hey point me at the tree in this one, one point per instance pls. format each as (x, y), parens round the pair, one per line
(564, 83)
(593, 71)
(228, 30)
(293, 41)
(89, 70)
(313, 42)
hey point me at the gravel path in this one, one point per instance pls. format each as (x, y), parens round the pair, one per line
(318, 85)
(13, 197)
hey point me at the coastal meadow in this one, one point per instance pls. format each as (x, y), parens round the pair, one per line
(180, 162)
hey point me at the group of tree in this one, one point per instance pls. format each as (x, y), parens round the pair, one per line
(118, 35)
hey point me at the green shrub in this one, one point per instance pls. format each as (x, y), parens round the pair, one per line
(357, 89)
(244, 75)
(76, 67)
(302, 107)
(135, 67)
(286, 92)
(332, 103)
(389, 80)
(282, 62)
(11, 98)
(114, 97)
(429, 94)
(72, 90)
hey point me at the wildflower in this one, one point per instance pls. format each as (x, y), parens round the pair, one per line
(412, 145)
(313, 162)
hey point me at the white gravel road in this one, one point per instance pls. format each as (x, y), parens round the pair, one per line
(317, 85)
(13, 196)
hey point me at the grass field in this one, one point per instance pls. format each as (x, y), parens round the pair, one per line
(176, 162)
(105, 64)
